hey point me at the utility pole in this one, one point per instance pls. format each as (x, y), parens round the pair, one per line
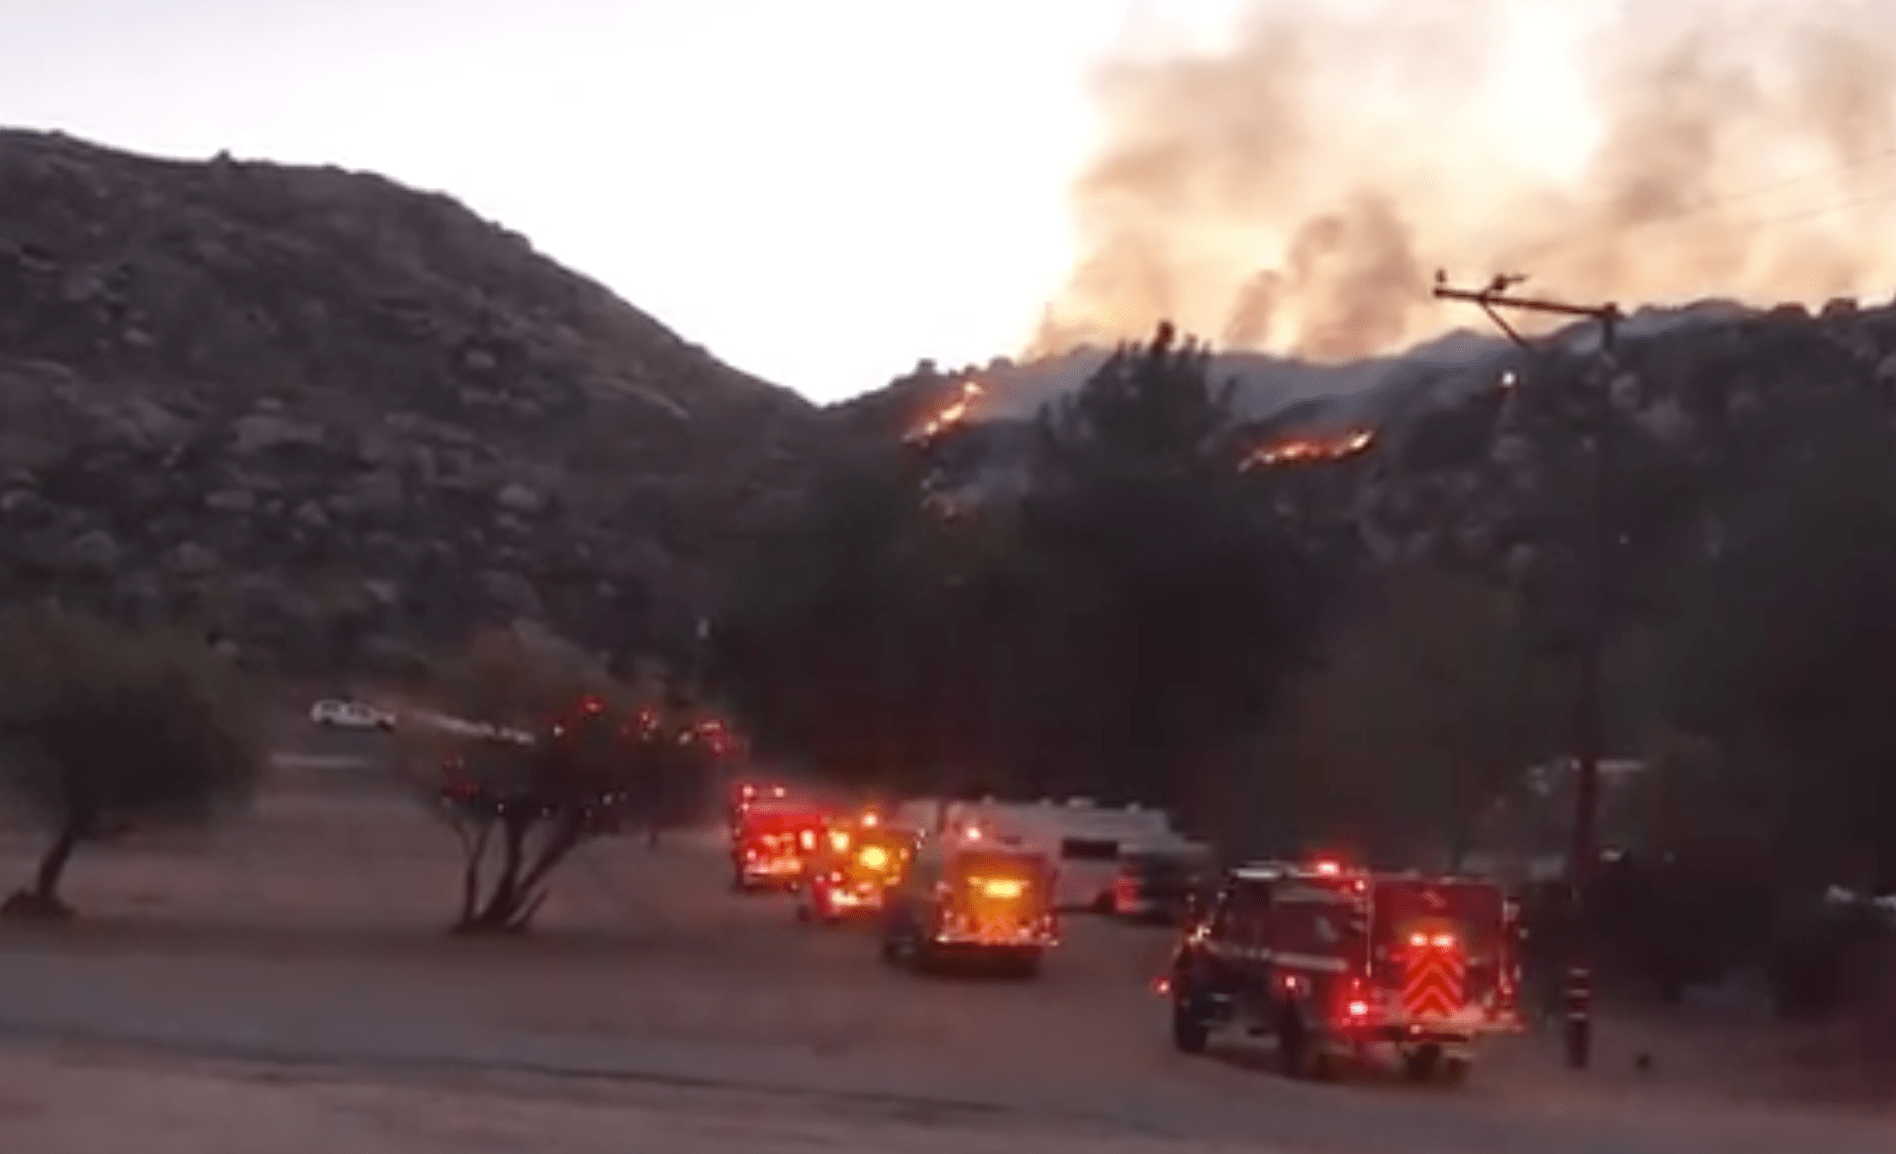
(1590, 717)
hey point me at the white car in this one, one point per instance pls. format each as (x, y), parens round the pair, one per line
(350, 715)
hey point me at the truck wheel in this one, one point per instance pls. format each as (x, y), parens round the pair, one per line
(1190, 1032)
(1423, 1063)
(1300, 1050)
(1455, 1071)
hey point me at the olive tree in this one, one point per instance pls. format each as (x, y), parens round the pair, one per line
(102, 732)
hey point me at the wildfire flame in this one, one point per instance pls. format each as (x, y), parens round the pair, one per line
(1297, 450)
(949, 415)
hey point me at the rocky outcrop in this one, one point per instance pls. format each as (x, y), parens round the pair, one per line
(322, 414)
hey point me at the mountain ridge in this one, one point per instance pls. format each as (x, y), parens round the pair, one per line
(300, 405)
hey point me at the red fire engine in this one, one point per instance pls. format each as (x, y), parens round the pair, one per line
(972, 900)
(854, 866)
(771, 841)
(1330, 960)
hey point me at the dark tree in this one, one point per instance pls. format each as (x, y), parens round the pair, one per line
(1181, 596)
(1787, 646)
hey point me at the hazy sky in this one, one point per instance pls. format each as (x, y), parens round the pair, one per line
(821, 191)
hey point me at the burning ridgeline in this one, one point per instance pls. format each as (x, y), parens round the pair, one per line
(1298, 450)
(949, 416)
(959, 410)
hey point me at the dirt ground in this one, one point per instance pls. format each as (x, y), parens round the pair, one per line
(284, 983)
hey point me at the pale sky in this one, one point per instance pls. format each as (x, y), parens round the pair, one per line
(821, 192)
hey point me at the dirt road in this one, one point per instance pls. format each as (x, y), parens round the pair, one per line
(288, 978)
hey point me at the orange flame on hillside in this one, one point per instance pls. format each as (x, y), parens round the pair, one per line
(950, 415)
(1299, 450)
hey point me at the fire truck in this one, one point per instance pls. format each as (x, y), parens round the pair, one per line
(854, 866)
(771, 841)
(975, 900)
(1330, 961)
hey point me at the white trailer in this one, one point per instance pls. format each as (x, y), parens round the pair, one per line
(1084, 841)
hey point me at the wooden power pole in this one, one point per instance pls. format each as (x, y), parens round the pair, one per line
(1590, 713)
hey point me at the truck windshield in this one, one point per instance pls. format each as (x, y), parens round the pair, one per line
(1472, 909)
(997, 864)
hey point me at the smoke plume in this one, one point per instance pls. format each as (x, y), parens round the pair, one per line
(1297, 191)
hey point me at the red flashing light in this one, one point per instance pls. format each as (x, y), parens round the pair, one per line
(1329, 868)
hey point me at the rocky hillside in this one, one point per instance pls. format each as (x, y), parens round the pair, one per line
(320, 413)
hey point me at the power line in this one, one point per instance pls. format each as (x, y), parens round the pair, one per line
(1713, 204)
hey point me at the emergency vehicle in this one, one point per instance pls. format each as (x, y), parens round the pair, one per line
(971, 899)
(1163, 884)
(771, 841)
(1330, 961)
(855, 864)
(1083, 841)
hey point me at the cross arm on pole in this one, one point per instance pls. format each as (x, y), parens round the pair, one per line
(1495, 297)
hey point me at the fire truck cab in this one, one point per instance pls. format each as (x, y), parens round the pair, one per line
(852, 869)
(742, 796)
(770, 843)
(1330, 961)
(972, 899)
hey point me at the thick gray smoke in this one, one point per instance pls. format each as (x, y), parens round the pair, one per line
(1297, 192)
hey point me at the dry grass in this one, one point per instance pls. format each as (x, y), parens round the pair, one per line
(314, 932)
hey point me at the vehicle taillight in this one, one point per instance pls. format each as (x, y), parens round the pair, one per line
(1356, 1003)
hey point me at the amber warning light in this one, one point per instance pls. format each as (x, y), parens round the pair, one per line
(1001, 888)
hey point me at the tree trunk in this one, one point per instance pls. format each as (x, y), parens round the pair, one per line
(475, 847)
(42, 901)
(532, 891)
(520, 889)
(503, 901)
(52, 867)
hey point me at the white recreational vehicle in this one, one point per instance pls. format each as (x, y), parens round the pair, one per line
(1083, 840)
